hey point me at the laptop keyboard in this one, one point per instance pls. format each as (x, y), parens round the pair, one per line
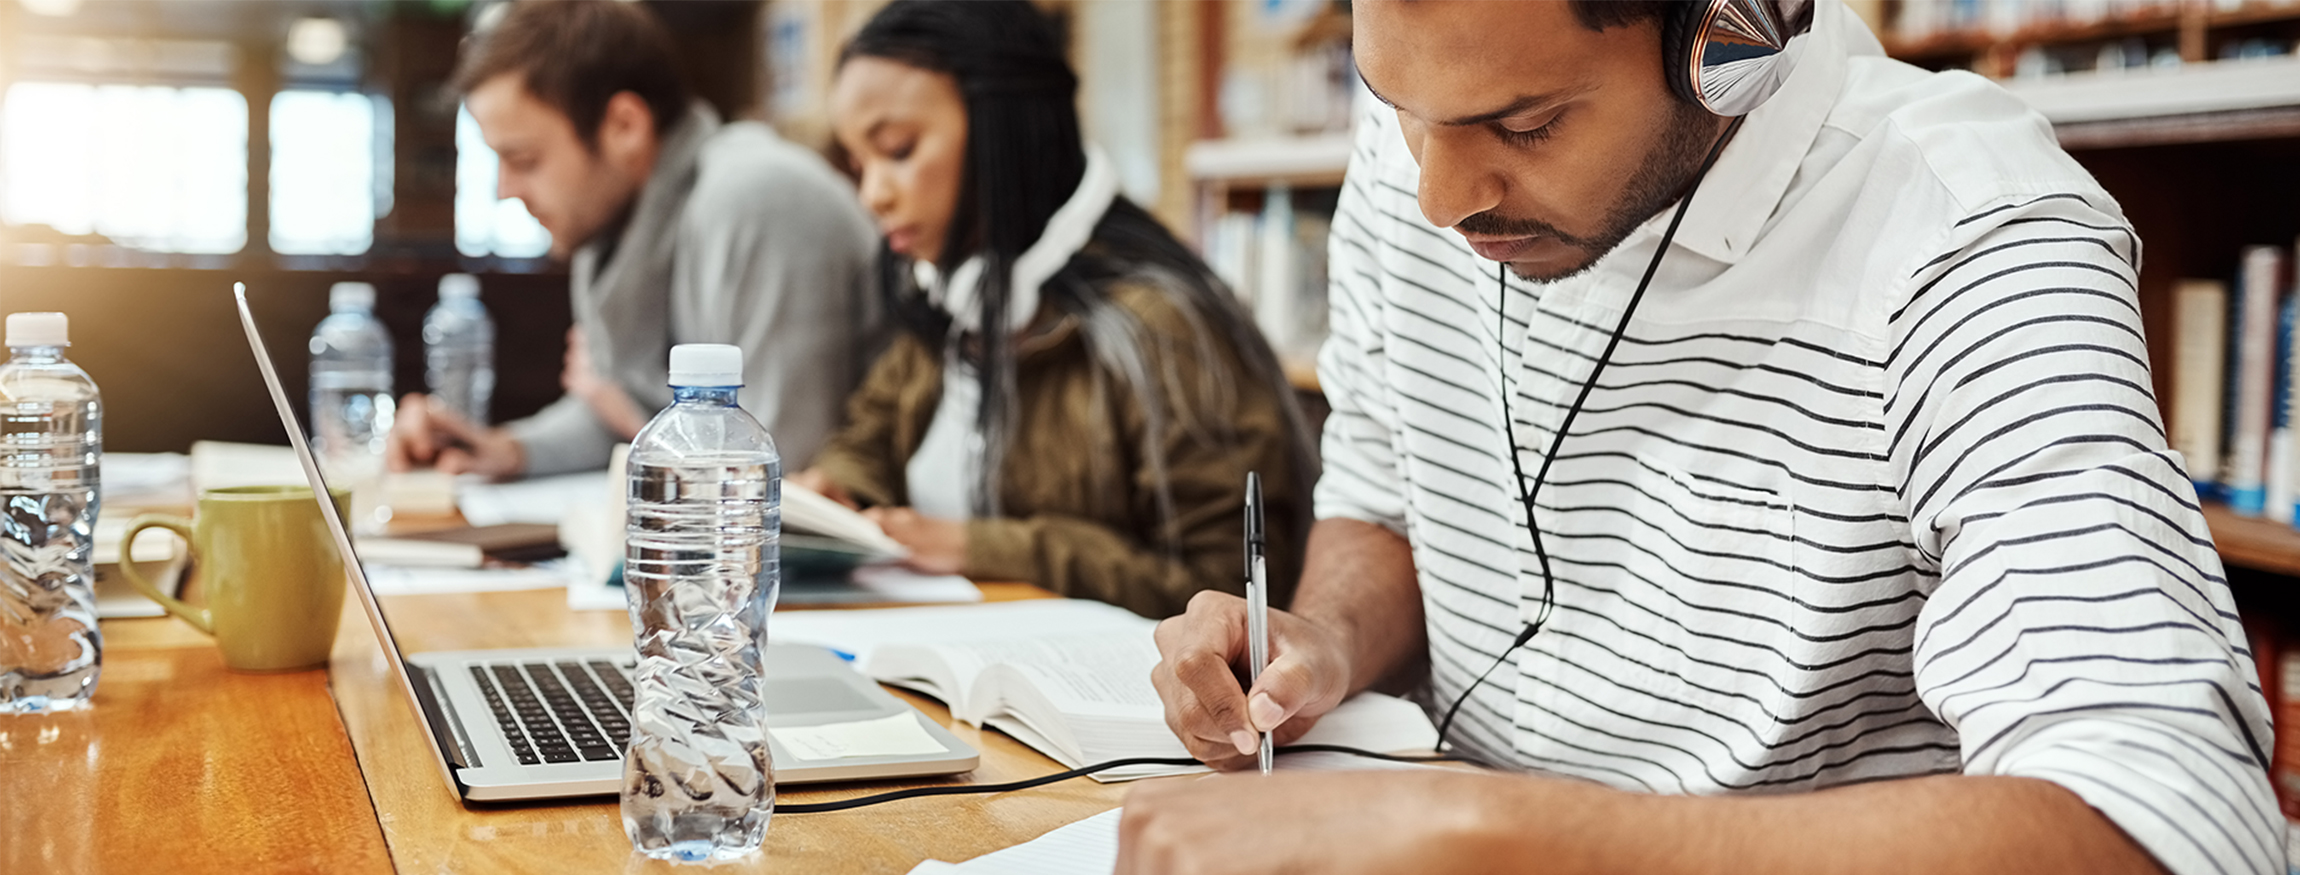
(561, 712)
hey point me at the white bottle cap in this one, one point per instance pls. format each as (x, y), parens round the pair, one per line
(458, 286)
(52, 329)
(706, 364)
(350, 296)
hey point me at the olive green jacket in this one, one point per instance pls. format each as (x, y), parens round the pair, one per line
(1081, 505)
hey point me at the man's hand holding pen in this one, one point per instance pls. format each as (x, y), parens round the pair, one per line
(1204, 656)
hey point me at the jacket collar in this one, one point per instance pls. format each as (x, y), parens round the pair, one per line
(1066, 232)
(1745, 188)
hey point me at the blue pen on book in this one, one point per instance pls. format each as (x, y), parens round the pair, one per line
(1257, 600)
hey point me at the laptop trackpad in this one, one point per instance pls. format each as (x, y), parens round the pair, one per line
(814, 695)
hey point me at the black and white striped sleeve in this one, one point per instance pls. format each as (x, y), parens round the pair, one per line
(1361, 479)
(2080, 630)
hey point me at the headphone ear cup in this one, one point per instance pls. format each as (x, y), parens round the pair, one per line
(1678, 31)
(1732, 55)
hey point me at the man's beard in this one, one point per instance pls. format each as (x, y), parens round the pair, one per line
(1667, 170)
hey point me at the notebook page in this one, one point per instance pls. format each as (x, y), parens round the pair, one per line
(1083, 848)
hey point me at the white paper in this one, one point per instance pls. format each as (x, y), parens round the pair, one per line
(899, 584)
(152, 546)
(217, 465)
(397, 580)
(892, 735)
(1091, 846)
(1081, 848)
(542, 500)
(587, 589)
(133, 480)
(413, 553)
(117, 598)
(859, 632)
(590, 592)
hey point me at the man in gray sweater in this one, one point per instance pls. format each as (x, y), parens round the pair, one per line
(678, 227)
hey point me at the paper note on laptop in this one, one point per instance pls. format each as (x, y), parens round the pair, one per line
(892, 735)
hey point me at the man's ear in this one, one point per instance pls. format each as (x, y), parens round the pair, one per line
(627, 133)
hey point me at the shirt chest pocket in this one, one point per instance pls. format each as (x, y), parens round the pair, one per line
(1681, 542)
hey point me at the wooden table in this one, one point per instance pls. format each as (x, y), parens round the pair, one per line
(184, 766)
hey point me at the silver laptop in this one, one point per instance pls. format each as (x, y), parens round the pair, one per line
(548, 723)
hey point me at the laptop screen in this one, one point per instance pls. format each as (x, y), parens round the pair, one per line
(318, 481)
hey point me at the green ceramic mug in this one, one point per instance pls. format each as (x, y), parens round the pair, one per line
(269, 568)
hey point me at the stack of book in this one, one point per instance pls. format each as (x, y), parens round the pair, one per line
(2233, 384)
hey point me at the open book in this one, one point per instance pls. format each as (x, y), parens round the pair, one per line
(1071, 679)
(806, 511)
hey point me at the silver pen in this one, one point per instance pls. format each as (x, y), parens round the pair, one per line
(1257, 600)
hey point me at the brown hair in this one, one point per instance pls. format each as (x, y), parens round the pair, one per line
(576, 54)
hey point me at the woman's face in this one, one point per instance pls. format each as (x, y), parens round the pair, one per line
(905, 130)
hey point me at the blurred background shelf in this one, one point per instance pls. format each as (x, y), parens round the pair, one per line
(2232, 100)
(1304, 160)
(2258, 543)
(1996, 38)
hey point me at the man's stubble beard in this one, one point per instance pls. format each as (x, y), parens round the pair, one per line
(1667, 170)
(604, 219)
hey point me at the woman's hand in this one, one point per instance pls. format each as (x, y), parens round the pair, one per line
(607, 400)
(814, 480)
(936, 546)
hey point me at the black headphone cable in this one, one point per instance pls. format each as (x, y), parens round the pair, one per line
(1081, 771)
(1557, 439)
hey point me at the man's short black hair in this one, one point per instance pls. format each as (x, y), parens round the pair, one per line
(1603, 14)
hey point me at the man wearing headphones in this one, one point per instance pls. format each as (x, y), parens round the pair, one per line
(1854, 540)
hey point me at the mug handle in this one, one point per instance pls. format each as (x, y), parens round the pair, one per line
(198, 617)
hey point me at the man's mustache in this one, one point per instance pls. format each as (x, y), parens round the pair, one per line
(1492, 224)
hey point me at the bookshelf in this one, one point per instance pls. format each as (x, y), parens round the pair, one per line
(1304, 160)
(2203, 155)
(2193, 31)
(1277, 93)
(1241, 176)
(2193, 103)
(2257, 543)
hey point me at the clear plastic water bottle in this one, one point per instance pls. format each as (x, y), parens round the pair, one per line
(700, 568)
(51, 444)
(459, 348)
(351, 399)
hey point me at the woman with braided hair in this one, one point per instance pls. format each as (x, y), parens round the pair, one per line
(1075, 400)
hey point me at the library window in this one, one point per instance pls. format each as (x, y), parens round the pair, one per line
(485, 224)
(155, 168)
(326, 191)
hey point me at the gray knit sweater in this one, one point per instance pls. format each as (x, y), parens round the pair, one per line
(740, 237)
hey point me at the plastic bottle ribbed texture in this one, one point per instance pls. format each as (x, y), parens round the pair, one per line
(701, 571)
(51, 449)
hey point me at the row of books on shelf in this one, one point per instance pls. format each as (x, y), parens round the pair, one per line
(2276, 654)
(2235, 377)
(1275, 261)
(1920, 19)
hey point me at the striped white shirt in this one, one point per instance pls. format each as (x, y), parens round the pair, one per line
(1874, 486)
